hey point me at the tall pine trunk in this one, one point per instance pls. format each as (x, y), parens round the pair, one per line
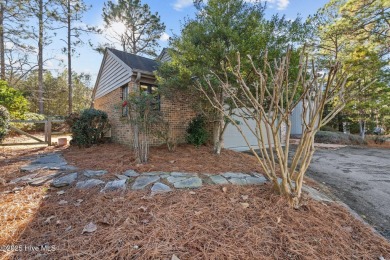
(40, 57)
(70, 98)
(2, 49)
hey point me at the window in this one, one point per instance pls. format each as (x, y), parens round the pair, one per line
(125, 96)
(152, 90)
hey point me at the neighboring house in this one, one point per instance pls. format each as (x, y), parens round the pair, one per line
(122, 73)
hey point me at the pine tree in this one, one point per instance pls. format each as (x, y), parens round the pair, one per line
(70, 14)
(141, 28)
(12, 18)
(44, 13)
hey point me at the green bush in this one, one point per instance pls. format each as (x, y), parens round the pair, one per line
(4, 121)
(29, 127)
(196, 131)
(328, 129)
(13, 100)
(88, 128)
(338, 138)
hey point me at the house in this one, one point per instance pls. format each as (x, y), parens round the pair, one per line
(122, 73)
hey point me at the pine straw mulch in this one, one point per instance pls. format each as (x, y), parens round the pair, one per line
(207, 223)
(12, 158)
(18, 203)
(118, 158)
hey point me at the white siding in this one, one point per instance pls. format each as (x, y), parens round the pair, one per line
(113, 75)
(165, 57)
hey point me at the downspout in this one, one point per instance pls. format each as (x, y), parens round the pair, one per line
(138, 78)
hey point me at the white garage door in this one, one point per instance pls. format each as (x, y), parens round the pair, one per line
(233, 139)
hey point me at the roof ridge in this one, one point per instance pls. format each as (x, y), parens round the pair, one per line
(128, 53)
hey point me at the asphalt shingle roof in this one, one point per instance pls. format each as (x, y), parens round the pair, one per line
(135, 61)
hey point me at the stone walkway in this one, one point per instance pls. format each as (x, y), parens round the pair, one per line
(52, 168)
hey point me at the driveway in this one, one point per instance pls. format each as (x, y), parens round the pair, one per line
(359, 177)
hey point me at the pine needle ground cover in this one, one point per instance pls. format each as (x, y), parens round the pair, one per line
(213, 222)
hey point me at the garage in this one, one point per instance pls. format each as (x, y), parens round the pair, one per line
(233, 139)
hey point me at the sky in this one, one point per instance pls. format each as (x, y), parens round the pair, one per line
(172, 13)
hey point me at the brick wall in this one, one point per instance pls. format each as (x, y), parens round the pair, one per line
(111, 104)
(177, 111)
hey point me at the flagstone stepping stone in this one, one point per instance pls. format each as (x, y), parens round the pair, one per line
(53, 160)
(32, 168)
(183, 174)
(64, 168)
(43, 179)
(91, 173)
(88, 184)
(193, 182)
(255, 180)
(25, 178)
(152, 173)
(173, 179)
(114, 185)
(235, 175)
(159, 187)
(218, 179)
(257, 174)
(143, 181)
(121, 177)
(131, 173)
(54, 167)
(64, 180)
(238, 181)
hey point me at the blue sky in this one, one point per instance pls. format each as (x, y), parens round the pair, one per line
(173, 13)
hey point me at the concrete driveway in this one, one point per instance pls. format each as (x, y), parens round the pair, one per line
(359, 177)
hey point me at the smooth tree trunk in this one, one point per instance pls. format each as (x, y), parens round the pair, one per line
(219, 128)
(218, 132)
(362, 128)
(2, 49)
(40, 58)
(70, 86)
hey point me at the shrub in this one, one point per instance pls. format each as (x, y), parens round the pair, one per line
(4, 121)
(338, 138)
(71, 119)
(196, 131)
(29, 127)
(328, 129)
(13, 100)
(88, 128)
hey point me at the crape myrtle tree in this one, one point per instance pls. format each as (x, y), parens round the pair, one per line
(269, 100)
(220, 29)
(141, 29)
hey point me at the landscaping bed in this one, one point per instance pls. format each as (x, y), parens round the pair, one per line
(212, 222)
(118, 158)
